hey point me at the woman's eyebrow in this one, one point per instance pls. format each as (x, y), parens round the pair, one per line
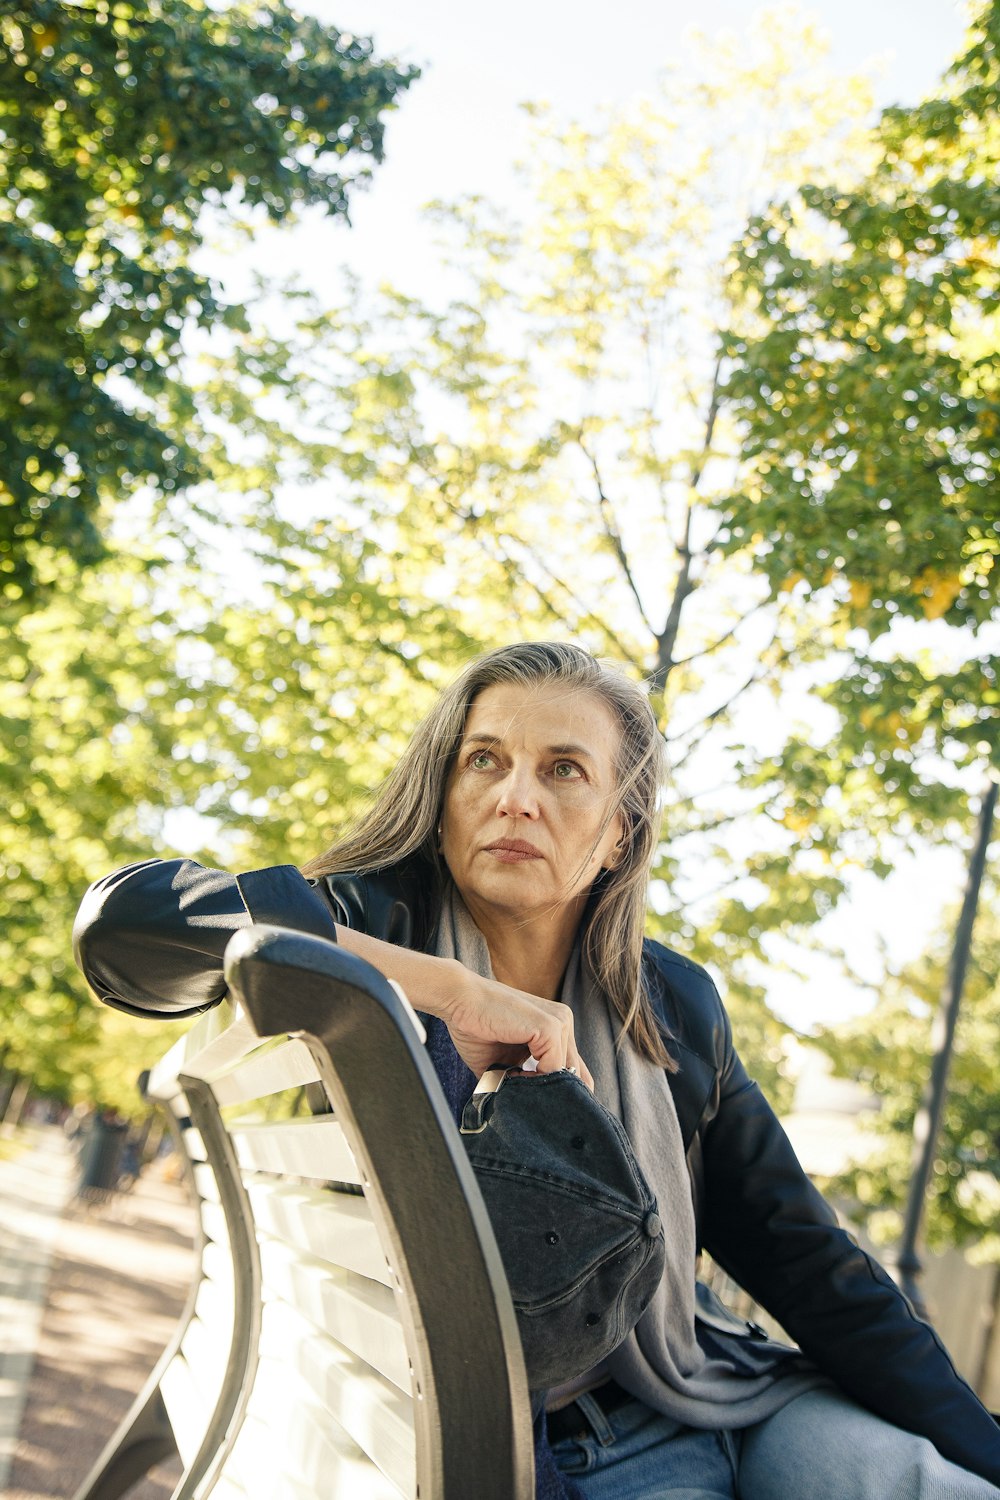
(580, 751)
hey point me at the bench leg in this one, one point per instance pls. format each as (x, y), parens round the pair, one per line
(143, 1440)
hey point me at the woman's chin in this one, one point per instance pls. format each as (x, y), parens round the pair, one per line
(519, 900)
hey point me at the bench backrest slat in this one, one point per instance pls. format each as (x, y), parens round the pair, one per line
(375, 1413)
(185, 1403)
(215, 1043)
(360, 1314)
(332, 1226)
(315, 1458)
(289, 1065)
(305, 1148)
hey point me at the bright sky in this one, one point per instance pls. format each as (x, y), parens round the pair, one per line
(459, 129)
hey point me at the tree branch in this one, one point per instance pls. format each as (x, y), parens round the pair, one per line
(711, 418)
(698, 830)
(707, 650)
(614, 535)
(666, 641)
(703, 726)
(584, 614)
(667, 638)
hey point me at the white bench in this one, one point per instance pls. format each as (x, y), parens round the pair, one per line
(349, 1334)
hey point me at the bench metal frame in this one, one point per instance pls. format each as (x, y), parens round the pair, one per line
(471, 1409)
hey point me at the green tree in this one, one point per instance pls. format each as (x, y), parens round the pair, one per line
(865, 373)
(128, 133)
(890, 1051)
(391, 486)
(126, 126)
(546, 454)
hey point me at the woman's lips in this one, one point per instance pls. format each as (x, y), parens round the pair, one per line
(512, 851)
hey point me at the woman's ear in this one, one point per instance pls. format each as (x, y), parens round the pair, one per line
(615, 854)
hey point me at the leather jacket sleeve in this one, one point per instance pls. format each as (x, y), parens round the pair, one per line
(150, 938)
(770, 1229)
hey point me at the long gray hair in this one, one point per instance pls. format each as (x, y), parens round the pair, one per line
(404, 817)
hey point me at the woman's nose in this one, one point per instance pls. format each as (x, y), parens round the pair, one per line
(518, 796)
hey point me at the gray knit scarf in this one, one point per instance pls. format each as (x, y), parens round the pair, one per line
(663, 1360)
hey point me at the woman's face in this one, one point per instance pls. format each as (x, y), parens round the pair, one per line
(527, 799)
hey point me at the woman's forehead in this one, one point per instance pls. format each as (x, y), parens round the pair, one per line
(551, 714)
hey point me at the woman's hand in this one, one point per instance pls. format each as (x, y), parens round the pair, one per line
(489, 1022)
(492, 1024)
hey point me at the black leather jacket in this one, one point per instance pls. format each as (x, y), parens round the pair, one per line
(150, 940)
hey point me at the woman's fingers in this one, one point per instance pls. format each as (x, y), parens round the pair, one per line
(585, 1074)
(492, 1024)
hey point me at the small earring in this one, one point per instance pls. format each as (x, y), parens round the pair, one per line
(614, 858)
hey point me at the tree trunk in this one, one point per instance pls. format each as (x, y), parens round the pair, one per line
(15, 1105)
(928, 1118)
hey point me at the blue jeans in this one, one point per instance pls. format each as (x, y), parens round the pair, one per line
(820, 1445)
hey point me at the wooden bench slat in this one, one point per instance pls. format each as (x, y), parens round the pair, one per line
(314, 1148)
(194, 1145)
(358, 1313)
(319, 1456)
(215, 1307)
(217, 1039)
(205, 1181)
(205, 1348)
(214, 1223)
(336, 1227)
(373, 1411)
(229, 1488)
(186, 1407)
(269, 1071)
(217, 1265)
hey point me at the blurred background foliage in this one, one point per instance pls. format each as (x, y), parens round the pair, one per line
(890, 1051)
(720, 401)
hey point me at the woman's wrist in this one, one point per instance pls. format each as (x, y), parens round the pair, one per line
(435, 986)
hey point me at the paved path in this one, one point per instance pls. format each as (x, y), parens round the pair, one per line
(88, 1298)
(33, 1189)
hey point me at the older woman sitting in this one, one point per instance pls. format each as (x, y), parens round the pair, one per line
(500, 876)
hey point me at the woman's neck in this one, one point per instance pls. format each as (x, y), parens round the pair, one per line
(530, 953)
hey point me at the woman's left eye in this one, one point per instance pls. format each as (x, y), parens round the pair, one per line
(565, 770)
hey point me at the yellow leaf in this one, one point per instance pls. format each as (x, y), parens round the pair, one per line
(939, 592)
(861, 593)
(789, 583)
(797, 822)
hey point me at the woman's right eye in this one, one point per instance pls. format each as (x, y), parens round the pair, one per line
(481, 761)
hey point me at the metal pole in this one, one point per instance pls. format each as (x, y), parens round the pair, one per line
(928, 1118)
